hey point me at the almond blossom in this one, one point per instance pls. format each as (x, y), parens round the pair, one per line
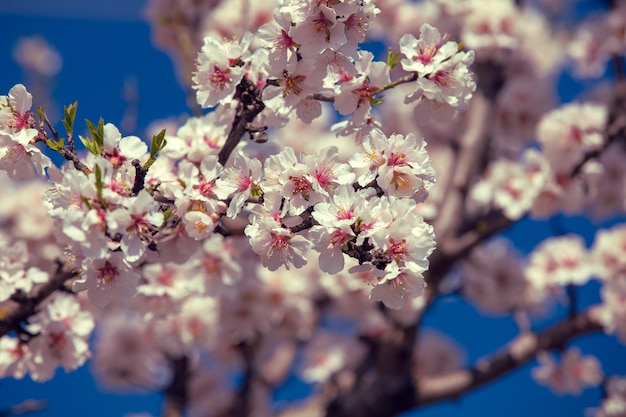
(185, 254)
(218, 69)
(291, 89)
(494, 279)
(428, 53)
(19, 156)
(137, 223)
(569, 132)
(559, 261)
(274, 244)
(614, 403)
(282, 48)
(443, 78)
(63, 332)
(398, 164)
(361, 91)
(239, 181)
(14, 357)
(512, 186)
(573, 374)
(320, 30)
(108, 280)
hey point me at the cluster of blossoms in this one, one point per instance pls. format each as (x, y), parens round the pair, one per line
(574, 373)
(192, 254)
(148, 234)
(59, 336)
(560, 177)
(554, 264)
(19, 157)
(308, 53)
(614, 405)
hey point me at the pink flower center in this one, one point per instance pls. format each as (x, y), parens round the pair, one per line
(243, 183)
(166, 278)
(397, 159)
(322, 24)
(117, 187)
(139, 223)
(344, 76)
(107, 273)
(300, 186)
(365, 91)
(442, 78)
(279, 242)
(426, 55)
(339, 237)
(285, 41)
(220, 77)
(115, 157)
(211, 142)
(21, 121)
(344, 214)
(58, 341)
(324, 176)
(570, 263)
(397, 249)
(211, 264)
(206, 188)
(291, 84)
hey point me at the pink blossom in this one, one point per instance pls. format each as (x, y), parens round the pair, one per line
(573, 374)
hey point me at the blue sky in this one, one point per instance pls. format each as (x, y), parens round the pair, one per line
(105, 45)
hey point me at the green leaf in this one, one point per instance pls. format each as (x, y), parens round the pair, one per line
(99, 182)
(100, 137)
(166, 215)
(97, 133)
(392, 58)
(158, 143)
(51, 144)
(376, 101)
(90, 145)
(69, 114)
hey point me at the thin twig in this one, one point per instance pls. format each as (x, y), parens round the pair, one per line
(249, 106)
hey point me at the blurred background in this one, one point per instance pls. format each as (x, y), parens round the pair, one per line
(101, 55)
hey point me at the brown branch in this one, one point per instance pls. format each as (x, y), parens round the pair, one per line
(615, 130)
(19, 312)
(176, 393)
(520, 351)
(391, 394)
(252, 380)
(140, 176)
(481, 229)
(25, 407)
(249, 106)
(472, 145)
(402, 80)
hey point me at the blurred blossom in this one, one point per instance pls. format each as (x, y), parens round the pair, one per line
(435, 354)
(34, 53)
(574, 373)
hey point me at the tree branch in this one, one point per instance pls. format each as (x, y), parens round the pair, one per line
(472, 145)
(249, 106)
(20, 312)
(521, 350)
(387, 396)
(176, 394)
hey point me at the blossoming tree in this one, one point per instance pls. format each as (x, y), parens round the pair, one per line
(320, 185)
